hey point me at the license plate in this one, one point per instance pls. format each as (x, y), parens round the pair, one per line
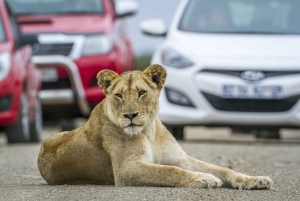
(49, 74)
(252, 92)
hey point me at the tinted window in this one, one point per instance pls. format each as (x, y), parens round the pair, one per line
(242, 16)
(56, 6)
(2, 31)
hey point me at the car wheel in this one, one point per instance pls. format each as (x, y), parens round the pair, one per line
(67, 125)
(37, 125)
(20, 131)
(176, 131)
(267, 134)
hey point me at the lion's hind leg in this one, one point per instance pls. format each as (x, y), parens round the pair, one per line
(48, 156)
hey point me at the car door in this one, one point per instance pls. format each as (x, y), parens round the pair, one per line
(21, 57)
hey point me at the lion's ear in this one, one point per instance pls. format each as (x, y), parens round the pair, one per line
(157, 74)
(105, 77)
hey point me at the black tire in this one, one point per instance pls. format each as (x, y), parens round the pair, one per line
(20, 131)
(37, 125)
(67, 125)
(267, 134)
(176, 131)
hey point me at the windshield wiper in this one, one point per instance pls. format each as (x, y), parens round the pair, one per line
(15, 13)
(61, 13)
(74, 12)
(256, 32)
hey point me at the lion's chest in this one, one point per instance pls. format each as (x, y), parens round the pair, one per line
(152, 153)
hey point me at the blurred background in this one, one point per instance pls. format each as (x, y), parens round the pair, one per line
(233, 66)
(144, 45)
(231, 98)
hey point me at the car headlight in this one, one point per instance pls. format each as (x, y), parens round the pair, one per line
(97, 44)
(173, 59)
(5, 65)
(178, 98)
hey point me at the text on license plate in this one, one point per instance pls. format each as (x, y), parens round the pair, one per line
(49, 74)
(252, 92)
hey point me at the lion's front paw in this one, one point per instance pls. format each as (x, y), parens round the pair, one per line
(252, 183)
(206, 181)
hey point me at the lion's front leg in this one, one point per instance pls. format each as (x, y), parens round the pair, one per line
(177, 157)
(242, 181)
(138, 173)
(231, 178)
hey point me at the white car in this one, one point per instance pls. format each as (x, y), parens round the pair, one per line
(231, 63)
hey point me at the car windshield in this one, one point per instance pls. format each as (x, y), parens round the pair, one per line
(35, 7)
(242, 16)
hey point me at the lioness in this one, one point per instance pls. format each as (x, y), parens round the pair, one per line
(123, 143)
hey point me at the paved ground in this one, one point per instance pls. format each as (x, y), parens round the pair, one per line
(20, 178)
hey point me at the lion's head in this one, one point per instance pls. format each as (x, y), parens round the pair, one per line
(132, 97)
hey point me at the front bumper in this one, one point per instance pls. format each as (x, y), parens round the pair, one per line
(8, 113)
(192, 83)
(10, 99)
(63, 96)
(89, 67)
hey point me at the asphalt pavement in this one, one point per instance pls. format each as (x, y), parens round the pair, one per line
(21, 180)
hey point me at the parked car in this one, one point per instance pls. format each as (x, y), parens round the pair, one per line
(231, 63)
(76, 40)
(20, 109)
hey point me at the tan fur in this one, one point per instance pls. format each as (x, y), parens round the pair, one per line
(107, 150)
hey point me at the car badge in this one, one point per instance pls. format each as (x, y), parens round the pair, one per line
(252, 75)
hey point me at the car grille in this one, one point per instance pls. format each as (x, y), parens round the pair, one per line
(251, 105)
(61, 83)
(237, 73)
(53, 49)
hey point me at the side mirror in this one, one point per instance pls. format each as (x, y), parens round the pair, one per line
(154, 27)
(126, 7)
(26, 39)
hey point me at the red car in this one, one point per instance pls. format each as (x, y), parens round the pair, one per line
(77, 39)
(20, 110)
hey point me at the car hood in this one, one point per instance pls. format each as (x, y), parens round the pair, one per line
(71, 24)
(234, 45)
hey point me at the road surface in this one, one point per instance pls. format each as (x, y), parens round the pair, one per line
(20, 178)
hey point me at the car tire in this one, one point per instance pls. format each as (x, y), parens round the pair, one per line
(20, 131)
(267, 134)
(176, 131)
(67, 125)
(37, 125)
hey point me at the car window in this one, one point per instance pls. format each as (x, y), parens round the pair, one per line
(242, 16)
(14, 26)
(56, 6)
(2, 32)
(13, 23)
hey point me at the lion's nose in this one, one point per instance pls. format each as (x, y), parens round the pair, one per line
(131, 115)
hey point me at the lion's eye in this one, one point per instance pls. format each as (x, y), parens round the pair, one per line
(141, 93)
(118, 95)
